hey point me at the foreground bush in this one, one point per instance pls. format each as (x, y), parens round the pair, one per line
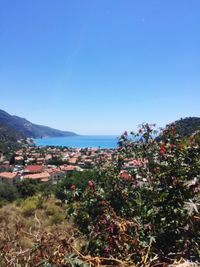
(153, 212)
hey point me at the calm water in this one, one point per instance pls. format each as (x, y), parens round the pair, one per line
(94, 141)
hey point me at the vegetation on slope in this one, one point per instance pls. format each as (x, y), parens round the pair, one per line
(187, 126)
(35, 232)
(9, 138)
(148, 218)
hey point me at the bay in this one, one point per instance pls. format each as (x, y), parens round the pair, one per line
(80, 141)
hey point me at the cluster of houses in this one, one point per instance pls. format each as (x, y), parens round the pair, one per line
(51, 164)
(41, 173)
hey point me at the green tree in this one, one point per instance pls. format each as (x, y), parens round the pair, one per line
(8, 192)
(27, 187)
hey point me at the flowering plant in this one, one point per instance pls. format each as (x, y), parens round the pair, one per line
(155, 211)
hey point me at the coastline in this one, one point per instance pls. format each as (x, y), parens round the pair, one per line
(80, 141)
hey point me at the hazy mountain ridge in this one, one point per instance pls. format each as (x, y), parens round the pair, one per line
(28, 129)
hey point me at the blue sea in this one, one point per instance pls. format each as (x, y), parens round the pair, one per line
(80, 141)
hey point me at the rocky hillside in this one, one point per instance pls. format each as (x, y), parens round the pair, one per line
(28, 129)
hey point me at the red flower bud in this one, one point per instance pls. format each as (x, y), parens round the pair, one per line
(91, 184)
(172, 146)
(73, 187)
(163, 149)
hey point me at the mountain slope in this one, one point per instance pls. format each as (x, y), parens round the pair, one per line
(28, 129)
(8, 138)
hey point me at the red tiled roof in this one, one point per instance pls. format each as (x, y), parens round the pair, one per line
(8, 175)
(125, 175)
(67, 168)
(73, 160)
(54, 170)
(38, 176)
(19, 158)
(40, 159)
(34, 168)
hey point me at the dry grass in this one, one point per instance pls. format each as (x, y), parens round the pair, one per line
(20, 232)
(29, 241)
(184, 263)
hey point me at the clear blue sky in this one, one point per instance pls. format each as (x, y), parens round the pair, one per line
(100, 66)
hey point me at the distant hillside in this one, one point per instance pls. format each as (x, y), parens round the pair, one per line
(186, 127)
(28, 129)
(8, 138)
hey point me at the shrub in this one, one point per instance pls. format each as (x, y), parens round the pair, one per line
(30, 205)
(80, 179)
(60, 191)
(155, 212)
(57, 218)
(52, 209)
(27, 188)
(8, 192)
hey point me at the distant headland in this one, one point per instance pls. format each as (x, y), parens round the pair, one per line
(26, 128)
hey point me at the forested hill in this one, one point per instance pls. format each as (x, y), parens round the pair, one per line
(186, 127)
(8, 138)
(28, 129)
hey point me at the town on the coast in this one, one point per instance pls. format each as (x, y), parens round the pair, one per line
(51, 164)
